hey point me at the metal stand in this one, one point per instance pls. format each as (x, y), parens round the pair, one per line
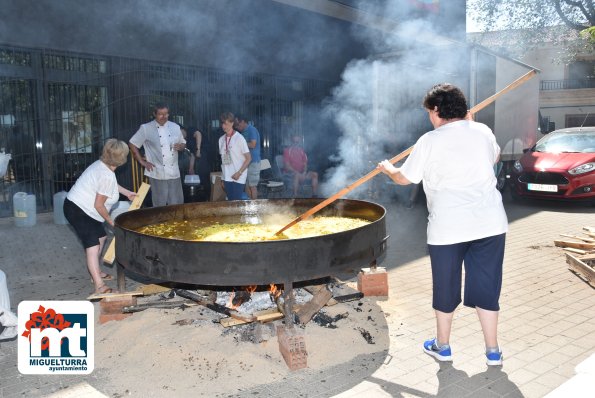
(288, 303)
(120, 277)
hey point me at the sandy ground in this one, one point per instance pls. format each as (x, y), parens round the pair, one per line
(186, 351)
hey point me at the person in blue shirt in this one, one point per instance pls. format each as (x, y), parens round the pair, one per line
(252, 137)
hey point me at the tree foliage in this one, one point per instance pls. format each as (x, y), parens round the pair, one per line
(531, 14)
(529, 23)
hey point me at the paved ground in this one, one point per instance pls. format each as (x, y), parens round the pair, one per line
(546, 329)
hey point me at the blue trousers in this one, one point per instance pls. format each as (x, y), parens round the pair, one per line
(235, 190)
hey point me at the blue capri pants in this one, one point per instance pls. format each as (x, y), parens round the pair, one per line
(483, 259)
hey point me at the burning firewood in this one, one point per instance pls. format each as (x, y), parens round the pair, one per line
(214, 306)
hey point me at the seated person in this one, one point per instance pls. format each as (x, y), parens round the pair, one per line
(295, 163)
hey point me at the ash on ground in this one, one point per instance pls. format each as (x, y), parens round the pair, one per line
(259, 301)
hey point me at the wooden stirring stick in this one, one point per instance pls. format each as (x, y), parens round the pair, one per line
(403, 154)
(342, 192)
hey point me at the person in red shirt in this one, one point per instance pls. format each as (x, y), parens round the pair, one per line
(295, 163)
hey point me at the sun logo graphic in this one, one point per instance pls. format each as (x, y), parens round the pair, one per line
(56, 337)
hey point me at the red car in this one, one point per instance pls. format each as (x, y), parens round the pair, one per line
(560, 166)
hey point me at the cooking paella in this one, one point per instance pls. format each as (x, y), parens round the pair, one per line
(217, 231)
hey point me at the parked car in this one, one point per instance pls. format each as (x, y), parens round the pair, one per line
(560, 166)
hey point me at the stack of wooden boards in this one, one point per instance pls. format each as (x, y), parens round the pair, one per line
(580, 253)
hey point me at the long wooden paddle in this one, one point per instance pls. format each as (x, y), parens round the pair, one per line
(137, 202)
(402, 155)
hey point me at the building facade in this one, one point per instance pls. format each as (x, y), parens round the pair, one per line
(74, 73)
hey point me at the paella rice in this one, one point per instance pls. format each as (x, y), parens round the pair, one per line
(197, 230)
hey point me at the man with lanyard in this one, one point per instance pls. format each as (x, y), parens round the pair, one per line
(235, 158)
(252, 137)
(162, 141)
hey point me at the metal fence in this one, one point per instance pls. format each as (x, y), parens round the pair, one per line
(57, 109)
(567, 84)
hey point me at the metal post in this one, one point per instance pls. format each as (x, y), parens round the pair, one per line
(288, 303)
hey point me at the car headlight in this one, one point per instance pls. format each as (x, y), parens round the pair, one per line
(517, 166)
(582, 169)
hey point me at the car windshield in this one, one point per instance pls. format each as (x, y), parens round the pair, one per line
(580, 141)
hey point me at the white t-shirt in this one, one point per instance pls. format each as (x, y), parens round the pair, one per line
(237, 147)
(96, 179)
(456, 164)
(158, 141)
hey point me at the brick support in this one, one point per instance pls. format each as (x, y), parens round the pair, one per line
(111, 308)
(373, 281)
(293, 347)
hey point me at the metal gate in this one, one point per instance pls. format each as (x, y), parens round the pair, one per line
(57, 109)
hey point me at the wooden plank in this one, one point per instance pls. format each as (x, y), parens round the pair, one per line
(263, 316)
(315, 288)
(227, 322)
(268, 315)
(575, 251)
(585, 271)
(97, 296)
(318, 301)
(588, 240)
(110, 253)
(158, 305)
(152, 289)
(576, 245)
(588, 257)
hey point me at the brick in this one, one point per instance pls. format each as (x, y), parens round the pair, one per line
(293, 347)
(114, 305)
(373, 281)
(103, 318)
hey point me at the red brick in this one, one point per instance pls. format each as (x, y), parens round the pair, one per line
(292, 347)
(373, 281)
(114, 305)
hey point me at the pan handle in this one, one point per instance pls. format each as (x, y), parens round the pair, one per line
(380, 249)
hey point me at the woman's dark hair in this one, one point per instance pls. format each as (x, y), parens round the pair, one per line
(227, 117)
(449, 100)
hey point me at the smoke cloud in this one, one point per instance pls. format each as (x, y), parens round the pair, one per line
(378, 105)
